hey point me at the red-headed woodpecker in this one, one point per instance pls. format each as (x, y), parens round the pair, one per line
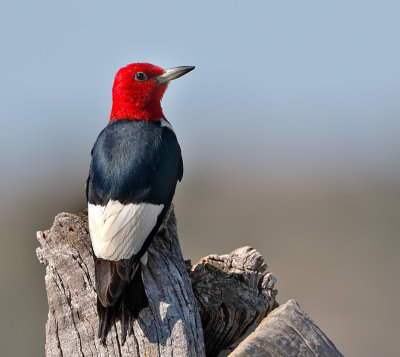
(136, 164)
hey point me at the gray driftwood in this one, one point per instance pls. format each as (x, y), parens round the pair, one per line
(231, 294)
(285, 332)
(171, 326)
(234, 291)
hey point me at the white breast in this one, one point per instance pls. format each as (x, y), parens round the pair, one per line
(118, 231)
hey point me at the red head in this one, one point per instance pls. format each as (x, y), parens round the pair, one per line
(138, 89)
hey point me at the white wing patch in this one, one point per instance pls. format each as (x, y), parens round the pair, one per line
(118, 231)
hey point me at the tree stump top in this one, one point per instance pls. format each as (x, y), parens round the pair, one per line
(223, 305)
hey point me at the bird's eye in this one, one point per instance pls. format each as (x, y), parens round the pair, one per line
(140, 76)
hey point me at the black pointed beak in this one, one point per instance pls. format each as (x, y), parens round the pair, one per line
(173, 73)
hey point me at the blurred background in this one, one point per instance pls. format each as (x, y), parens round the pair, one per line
(289, 128)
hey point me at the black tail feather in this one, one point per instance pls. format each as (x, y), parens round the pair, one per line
(130, 327)
(135, 298)
(124, 321)
(131, 302)
(104, 321)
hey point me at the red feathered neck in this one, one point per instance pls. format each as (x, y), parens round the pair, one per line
(137, 100)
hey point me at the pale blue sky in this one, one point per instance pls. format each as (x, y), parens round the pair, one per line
(300, 91)
(294, 85)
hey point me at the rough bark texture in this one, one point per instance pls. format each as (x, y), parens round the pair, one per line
(286, 332)
(171, 326)
(232, 292)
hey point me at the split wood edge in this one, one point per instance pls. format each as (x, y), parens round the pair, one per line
(202, 310)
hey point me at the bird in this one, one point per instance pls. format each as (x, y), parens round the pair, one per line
(136, 163)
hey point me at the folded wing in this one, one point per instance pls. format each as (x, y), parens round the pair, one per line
(118, 231)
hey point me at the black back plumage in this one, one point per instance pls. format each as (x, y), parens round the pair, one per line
(133, 161)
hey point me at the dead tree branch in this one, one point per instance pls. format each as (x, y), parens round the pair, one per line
(227, 296)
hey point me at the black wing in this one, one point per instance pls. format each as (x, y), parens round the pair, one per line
(135, 162)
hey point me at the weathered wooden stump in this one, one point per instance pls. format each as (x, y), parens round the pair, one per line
(222, 298)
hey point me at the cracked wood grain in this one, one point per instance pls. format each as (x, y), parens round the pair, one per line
(170, 326)
(286, 332)
(226, 296)
(234, 291)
